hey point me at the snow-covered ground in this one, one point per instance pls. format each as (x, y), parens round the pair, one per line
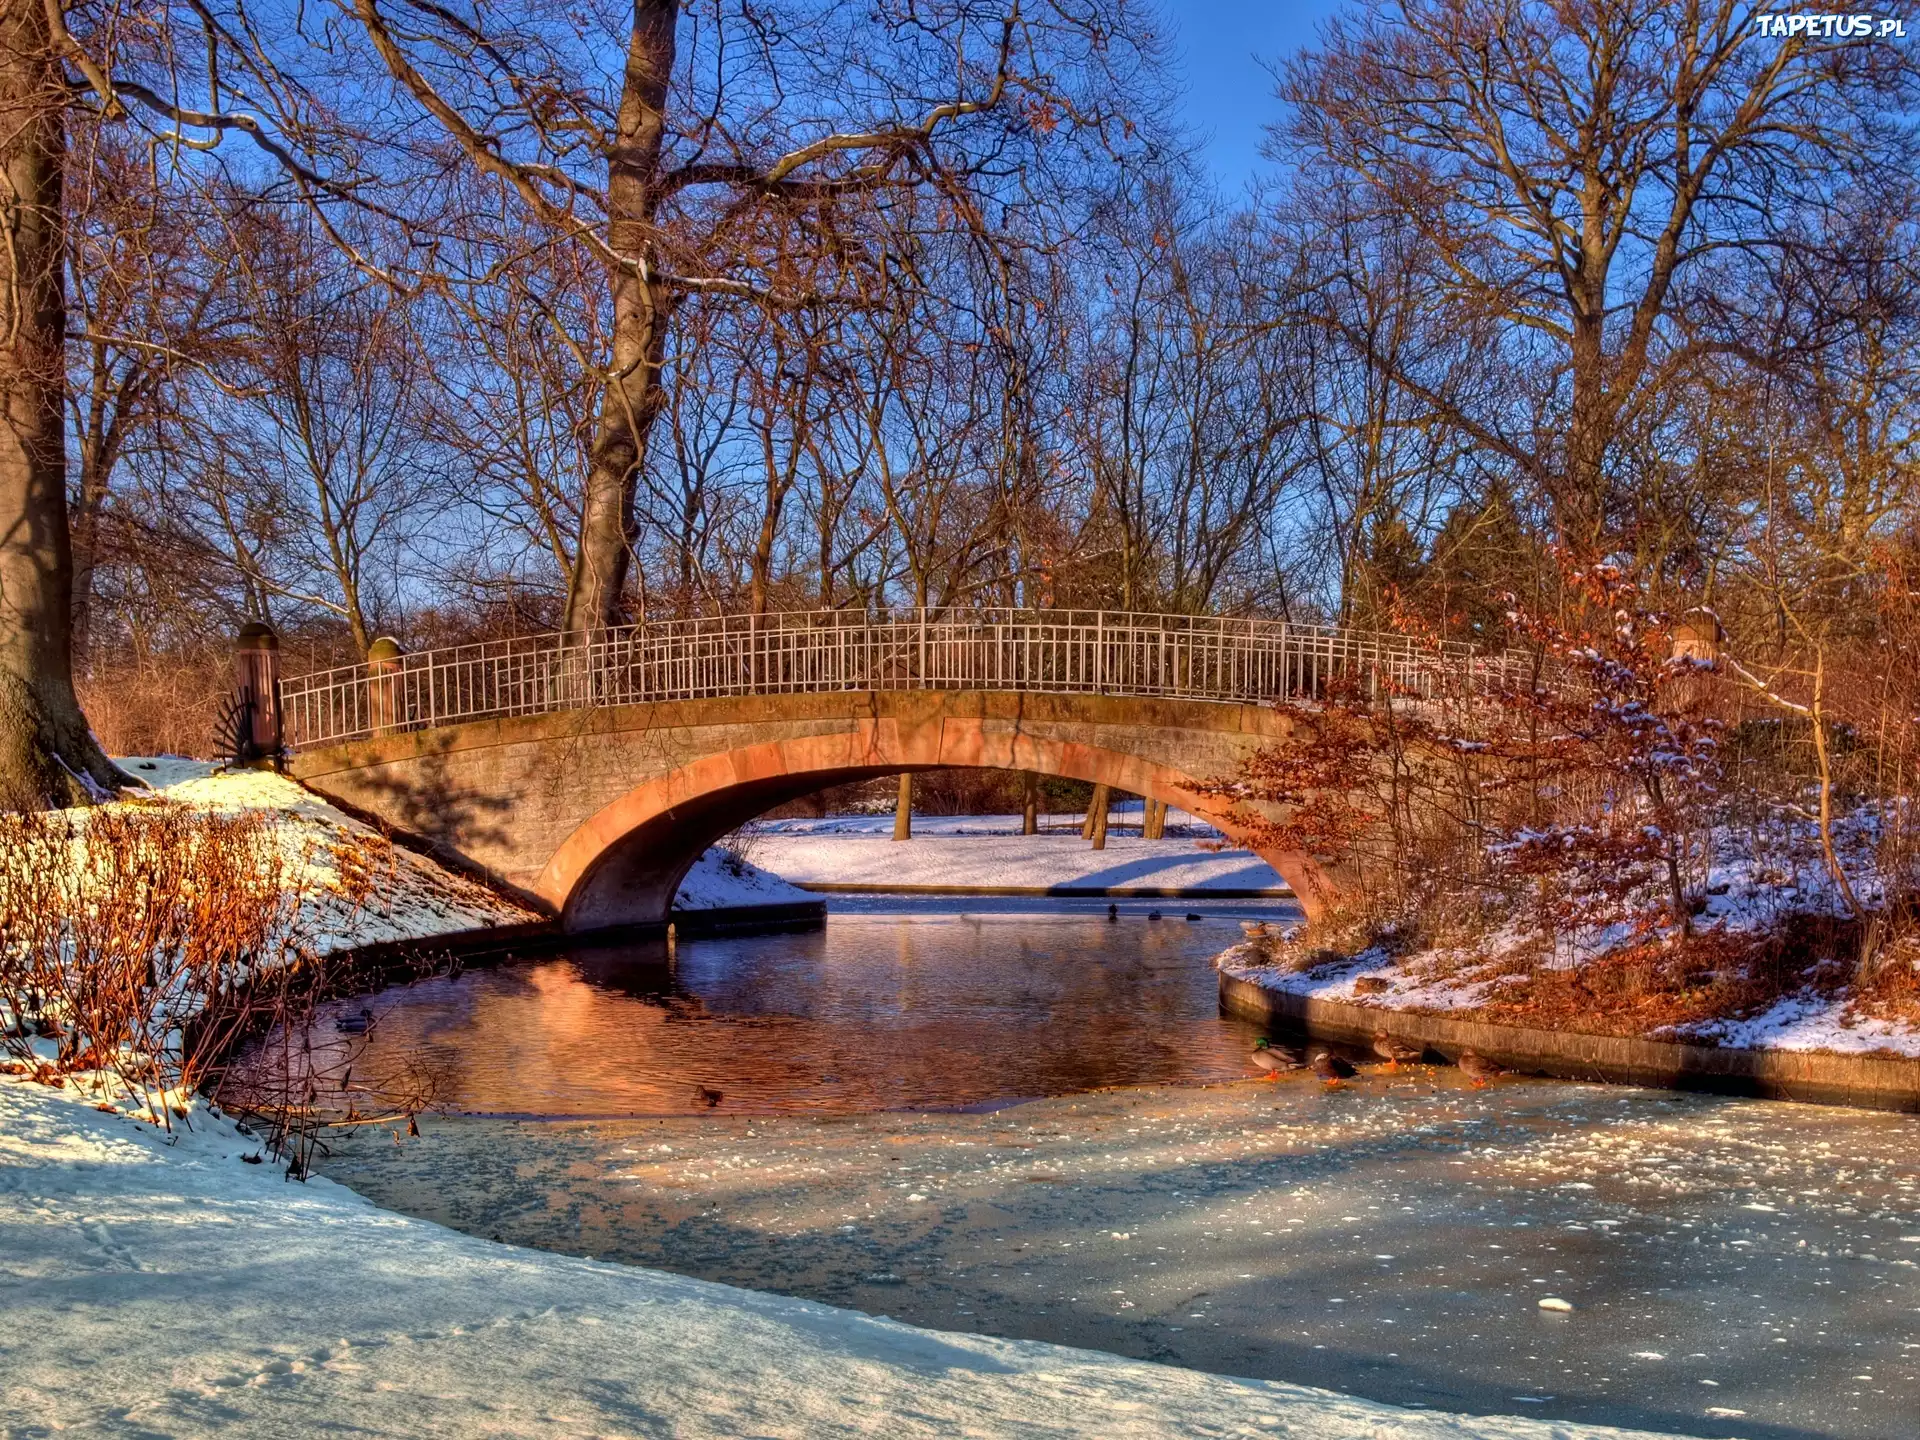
(1339, 980)
(172, 1289)
(1439, 982)
(1810, 1022)
(410, 898)
(721, 880)
(1760, 878)
(988, 853)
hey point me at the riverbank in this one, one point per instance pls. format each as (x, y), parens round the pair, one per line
(1734, 1268)
(1869, 1081)
(362, 891)
(357, 889)
(170, 1288)
(987, 855)
(1491, 988)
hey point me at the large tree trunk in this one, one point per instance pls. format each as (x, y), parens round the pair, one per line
(641, 311)
(48, 756)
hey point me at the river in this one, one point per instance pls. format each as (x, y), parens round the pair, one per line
(832, 1114)
(894, 1006)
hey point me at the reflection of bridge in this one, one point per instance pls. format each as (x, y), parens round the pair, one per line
(588, 775)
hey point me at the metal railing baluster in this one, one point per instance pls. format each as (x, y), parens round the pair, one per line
(1089, 652)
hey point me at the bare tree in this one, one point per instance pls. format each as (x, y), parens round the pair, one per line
(1190, 413)
(724, 141)
(336, 416)
(1574, 170)
(148, 309)
(47, 754)
(58, 66)
(512, 409)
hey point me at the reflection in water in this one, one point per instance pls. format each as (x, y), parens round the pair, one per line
(896, 1009)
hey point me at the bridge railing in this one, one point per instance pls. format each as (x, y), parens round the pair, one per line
(1056, 651)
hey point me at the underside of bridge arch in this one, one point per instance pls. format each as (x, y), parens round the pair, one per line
(597, 815)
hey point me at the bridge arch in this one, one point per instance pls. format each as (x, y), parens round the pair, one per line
(586, 773)
(624, 863)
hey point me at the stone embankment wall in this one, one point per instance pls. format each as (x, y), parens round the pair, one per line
(1869, 1081)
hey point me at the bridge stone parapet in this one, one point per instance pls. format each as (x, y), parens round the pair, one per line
(596, 813)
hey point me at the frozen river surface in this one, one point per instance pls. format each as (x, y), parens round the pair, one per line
(1733, 1267)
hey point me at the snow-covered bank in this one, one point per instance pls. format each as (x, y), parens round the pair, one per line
(175, 1290)
(987, 853)
(722, 880)
(1449, 983)
(1771, 959)
(1467, 985)
(411, 897)
(405, 896)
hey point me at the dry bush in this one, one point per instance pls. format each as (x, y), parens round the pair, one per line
(144, 942)
(142, 939)
(1553, 798)
(1557, 841)
(170, 707)
(742, 845)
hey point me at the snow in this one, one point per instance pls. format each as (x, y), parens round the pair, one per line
(720, 879)
(414, 898)
(1430, 982)
(1810, 1022)
(169, 1288)
(1339, 980)
(988, 852)
(417, 898)
(1760, 875)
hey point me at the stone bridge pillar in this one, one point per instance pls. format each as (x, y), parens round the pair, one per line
(256, 684)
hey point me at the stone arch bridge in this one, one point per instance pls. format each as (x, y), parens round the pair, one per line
(586, 775)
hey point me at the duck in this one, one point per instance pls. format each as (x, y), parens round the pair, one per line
(708, 1096)
(1276, 1060)
(1395, 1051)
(1331, 1068)
(355, 1024)
(1478, 1068)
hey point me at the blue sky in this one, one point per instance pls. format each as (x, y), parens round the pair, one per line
(1223, 45)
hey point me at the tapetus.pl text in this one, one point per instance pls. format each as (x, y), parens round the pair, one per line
(1830, 27)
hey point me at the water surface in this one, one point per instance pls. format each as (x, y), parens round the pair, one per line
(888, 1007)
(1736, 1268)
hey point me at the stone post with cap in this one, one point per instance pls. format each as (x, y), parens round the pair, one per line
(386, 706)
(256, 683)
